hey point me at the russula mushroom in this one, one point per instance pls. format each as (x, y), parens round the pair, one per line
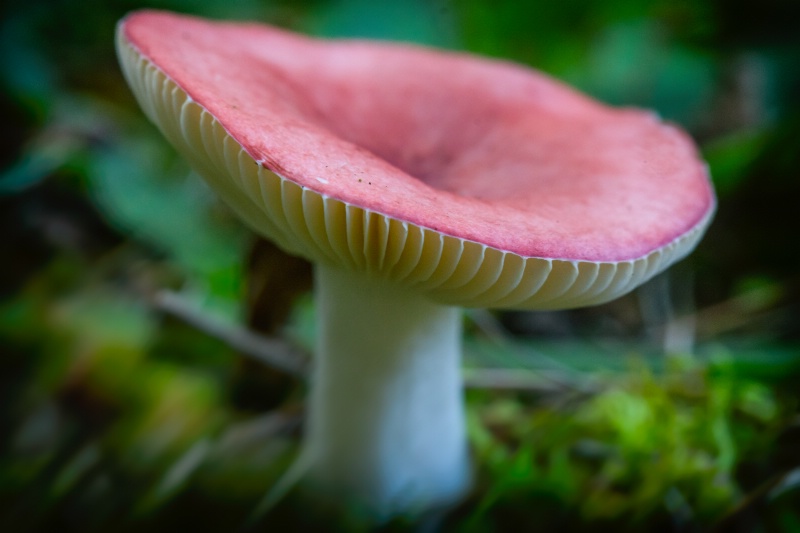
(416, 181)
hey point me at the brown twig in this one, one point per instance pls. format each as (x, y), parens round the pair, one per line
(272, 351)
(753, 502)
(522, 381)
(286, 357)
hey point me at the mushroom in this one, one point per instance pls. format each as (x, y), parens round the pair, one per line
(417, 181)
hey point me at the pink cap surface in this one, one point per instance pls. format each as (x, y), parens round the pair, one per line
(481, 150)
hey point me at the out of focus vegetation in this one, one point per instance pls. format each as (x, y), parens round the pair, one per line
(132, 395)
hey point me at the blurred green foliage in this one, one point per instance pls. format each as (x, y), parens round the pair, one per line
(118, 413)
(641, 449)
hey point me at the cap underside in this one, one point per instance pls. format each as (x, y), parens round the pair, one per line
(310, 222)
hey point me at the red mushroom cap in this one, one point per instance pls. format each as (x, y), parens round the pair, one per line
(501, 160)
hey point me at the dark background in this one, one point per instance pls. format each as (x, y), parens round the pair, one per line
(128, 403)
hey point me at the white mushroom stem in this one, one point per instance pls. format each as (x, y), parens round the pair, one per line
(385, 426)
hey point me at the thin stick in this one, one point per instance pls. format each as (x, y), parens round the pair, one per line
(284, 356)
(521, 381)
(274, 352)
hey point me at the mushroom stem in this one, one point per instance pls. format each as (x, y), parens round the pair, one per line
(385, 427)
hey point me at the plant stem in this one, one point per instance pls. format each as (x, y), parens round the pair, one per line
(385, 426)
